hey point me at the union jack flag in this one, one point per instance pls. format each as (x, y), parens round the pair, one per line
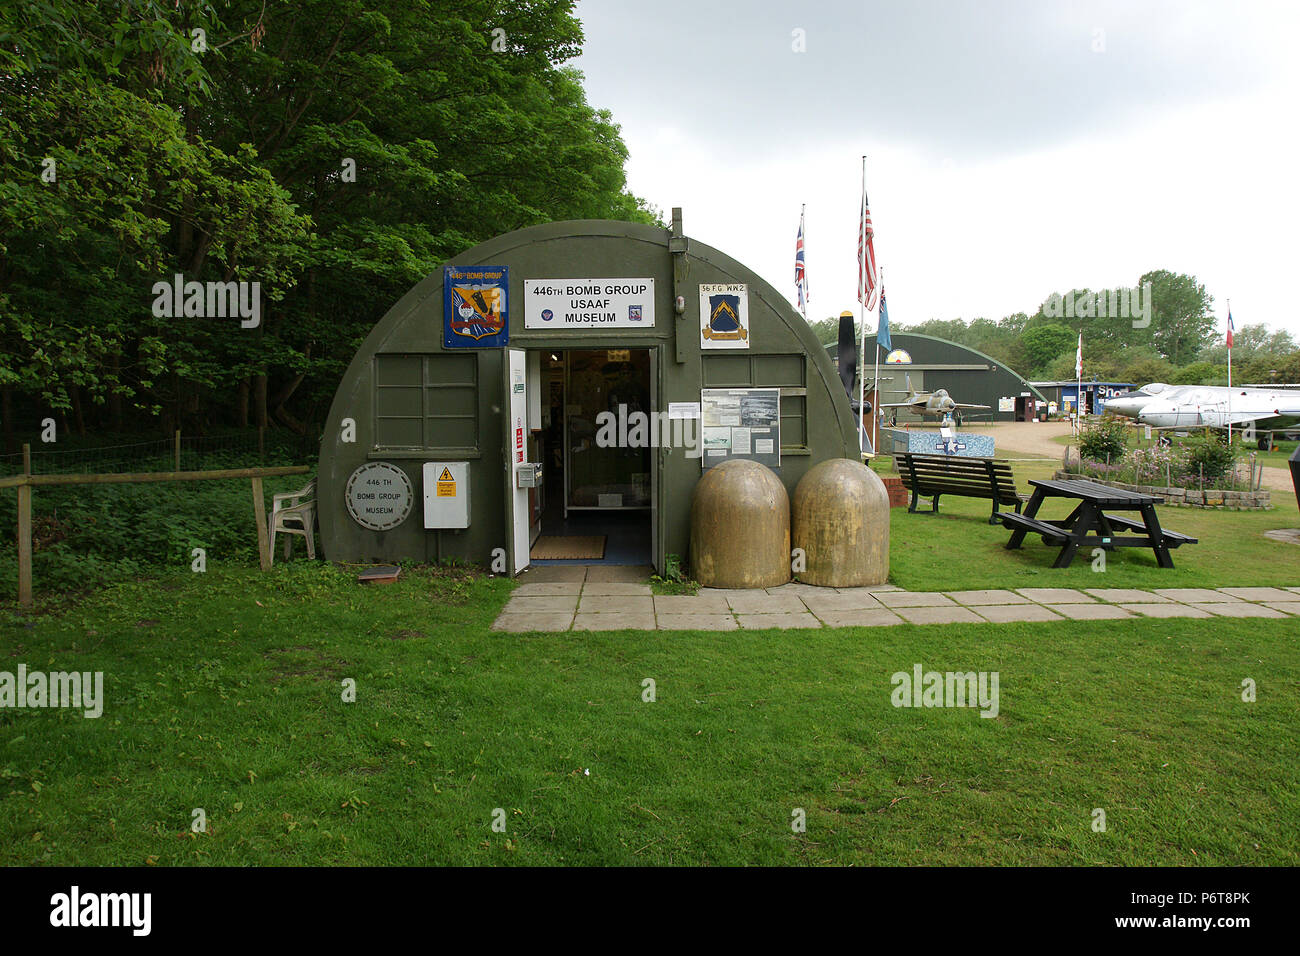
(866, 257)
(801, 270)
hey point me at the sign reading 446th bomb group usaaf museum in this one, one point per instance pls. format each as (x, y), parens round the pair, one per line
(475, 312)
(379, 496)
(589, 303)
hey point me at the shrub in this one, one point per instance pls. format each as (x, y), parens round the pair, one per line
(1104, 441)
(1210, 457)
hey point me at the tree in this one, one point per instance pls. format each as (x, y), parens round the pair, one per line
(1181, 323)
(1043, 343)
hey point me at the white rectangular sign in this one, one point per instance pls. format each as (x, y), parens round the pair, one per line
(589, 303)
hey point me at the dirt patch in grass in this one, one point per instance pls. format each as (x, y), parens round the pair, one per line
(405, 635)
(302, 661)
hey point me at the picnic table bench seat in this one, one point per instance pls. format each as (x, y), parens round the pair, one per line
(930, 476)
(1051, 532)
(1172, 538)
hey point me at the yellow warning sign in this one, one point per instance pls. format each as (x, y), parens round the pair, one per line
(446, 484)
(446, 474)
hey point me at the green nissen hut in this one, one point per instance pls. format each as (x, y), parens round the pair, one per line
(556, 393)
(968, 376)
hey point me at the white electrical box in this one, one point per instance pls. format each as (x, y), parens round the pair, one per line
(446, 494)
(528, 475)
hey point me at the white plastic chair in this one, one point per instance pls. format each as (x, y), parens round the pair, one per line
(291, 515)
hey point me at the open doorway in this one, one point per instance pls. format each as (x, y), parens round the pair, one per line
(596, 504)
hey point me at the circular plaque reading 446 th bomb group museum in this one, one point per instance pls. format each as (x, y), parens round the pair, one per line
(379, 496)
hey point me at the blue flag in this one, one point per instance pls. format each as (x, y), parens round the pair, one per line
(882, 331)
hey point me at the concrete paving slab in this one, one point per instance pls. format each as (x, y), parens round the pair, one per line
(548, 573)
(616, 604)
(559, 604)
(1286, 607)
(1258, 594)
(517, 623)
(840, 602)
(1165, 610)
(913, 599)
(1192, 595)
(868, 618)
(541, 589)
(1238, 609)
(616, 621)
(976, 598)
(606, 588)
(619, 573)
(1126, 596)
(785, 621)
(762, 603)
(799, 588)
(1296, 590)
(871, 589)
(696, 622)
(940, 615)
(1006, 613)
(1090, 612)
(691, 604)
(1056, 595)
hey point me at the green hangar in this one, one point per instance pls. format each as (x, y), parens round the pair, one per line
(557, 392)
(968, 376)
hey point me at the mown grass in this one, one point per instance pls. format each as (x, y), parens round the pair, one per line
(958, 550)
(224, 692)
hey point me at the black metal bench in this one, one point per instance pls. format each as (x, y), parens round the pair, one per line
(930, 476)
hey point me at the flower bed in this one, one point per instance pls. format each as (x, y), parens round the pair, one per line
(1189, 497)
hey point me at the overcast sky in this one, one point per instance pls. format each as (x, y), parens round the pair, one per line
(1013, 148)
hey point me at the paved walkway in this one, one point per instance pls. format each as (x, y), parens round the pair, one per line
(604, 598)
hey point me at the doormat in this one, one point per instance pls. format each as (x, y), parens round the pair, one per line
(554, 547)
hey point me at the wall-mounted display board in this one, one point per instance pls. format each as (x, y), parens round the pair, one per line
(741, 423)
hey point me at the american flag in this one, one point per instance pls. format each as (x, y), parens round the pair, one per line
(1230, 328)
(866, 257)
(801, 270)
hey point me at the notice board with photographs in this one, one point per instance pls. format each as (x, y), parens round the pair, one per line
(740, 423)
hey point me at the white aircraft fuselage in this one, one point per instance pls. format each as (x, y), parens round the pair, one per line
(1217, 406)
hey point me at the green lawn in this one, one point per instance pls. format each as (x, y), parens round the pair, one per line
(971, 553)
(223, 692)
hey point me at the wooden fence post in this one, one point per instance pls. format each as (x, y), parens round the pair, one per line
(25, 533)
(259, 514)
(177, 455)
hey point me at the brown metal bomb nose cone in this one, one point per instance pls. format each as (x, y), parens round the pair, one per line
(841, 521)
(740, 527)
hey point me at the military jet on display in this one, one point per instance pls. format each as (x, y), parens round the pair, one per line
(1261, 410)
(937, 404)
(1130, 403)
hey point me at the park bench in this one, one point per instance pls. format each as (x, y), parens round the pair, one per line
(930, 476)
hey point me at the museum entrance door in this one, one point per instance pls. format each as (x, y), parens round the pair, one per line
(600, 468)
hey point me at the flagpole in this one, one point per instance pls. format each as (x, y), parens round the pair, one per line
(1230, 374)
(875, 380)
(1078, 387)
(862, 322)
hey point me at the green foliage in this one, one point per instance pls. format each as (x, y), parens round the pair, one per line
(1043, 343)
(1200, 373)
(332, 151)
(1105, 440)
(1209, 458)
(674, 580)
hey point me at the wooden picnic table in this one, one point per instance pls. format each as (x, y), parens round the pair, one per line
(1090, 524)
